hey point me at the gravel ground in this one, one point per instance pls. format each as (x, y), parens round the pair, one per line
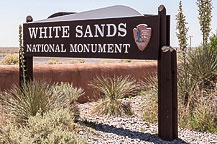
(133, 129)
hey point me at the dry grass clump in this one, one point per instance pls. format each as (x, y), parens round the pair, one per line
(150, 87)
(10, 59)
(111, 90)
(203, 116)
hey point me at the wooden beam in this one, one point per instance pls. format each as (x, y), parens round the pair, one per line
(165, 116)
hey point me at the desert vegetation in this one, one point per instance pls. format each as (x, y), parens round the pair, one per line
(196, 91)
(39, 112)
(110, 91)
(10, 59)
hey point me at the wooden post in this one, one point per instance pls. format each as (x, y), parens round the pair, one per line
(167, 83)
(28, 63)
(174, 94)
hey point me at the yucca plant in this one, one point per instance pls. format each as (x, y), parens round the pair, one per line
(28, 100)
(111, 90)
(197, 89)
(70, 95)
(201, 70)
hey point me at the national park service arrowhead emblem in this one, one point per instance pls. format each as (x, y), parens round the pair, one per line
(142, 36)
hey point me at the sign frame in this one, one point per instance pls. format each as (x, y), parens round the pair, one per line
(167, 78)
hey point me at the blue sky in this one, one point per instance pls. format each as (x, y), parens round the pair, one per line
(14, 12)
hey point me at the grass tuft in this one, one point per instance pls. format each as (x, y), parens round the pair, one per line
(111, 90)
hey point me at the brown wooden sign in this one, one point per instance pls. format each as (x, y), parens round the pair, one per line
(104, 38)
(115, 32)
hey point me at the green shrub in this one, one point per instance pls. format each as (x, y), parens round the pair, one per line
(70, 95)
(53, 62)
(10, 59)
(110, 91)
(213, 42)
(126, 60)
(29, 100)
(54, 127)
(74, 61)
(66, 62)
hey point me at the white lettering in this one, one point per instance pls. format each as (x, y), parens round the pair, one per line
(73, 49)
(118, 47)
(65, 31)
(122, 29)
(80, 48)
(29, 48)
(79, 30)
(126, 47)
(86, 48)
(33, 32)
(57, 29)
(109, 34)
(34, 48)
(46, 47)
(92, 48)
(101, 31)
(43, 30)
(101, 49)
(50, 32)
(88, 31)
(110, 48)
(62, 48)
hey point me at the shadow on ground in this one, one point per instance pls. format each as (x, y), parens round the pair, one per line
(146, 137)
